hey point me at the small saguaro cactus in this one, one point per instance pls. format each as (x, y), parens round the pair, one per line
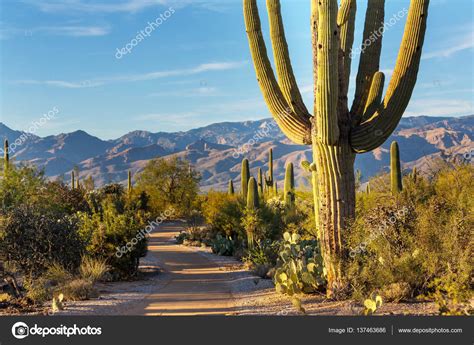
(414, 174)
(289, 187)
(336, 130)
(260, 182)
(252, 196)
(230, 189)
(244, 176)
(130, 185)
(6, 155)
(269, 178)
(275, 188)
(395, 169)
(367, 188)
(73, 180)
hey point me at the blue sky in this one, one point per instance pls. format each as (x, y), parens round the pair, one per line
(195, 68)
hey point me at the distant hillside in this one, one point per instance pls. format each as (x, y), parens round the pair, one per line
(217, 150)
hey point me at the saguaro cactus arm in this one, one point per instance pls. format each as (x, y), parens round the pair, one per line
(286, 77)
(346, 21)
(372, 133)
(375, 96)
(296, 126)
(369, 58)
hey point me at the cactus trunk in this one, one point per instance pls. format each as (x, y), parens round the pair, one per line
(289, 187)
(130, 186)
(252, 196)
(6, 156)
(73, 181)
(244, 176)
(230, 190)
(395, 169)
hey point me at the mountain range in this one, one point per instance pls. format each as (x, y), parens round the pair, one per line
(216, 150)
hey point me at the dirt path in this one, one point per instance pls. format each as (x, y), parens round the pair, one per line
(191, 283)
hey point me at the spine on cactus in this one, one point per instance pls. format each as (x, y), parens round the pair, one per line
(244, 176)
(73, 180)
(252, 195)
(6, 155)
(289, 187)
(395, 168)
(230, 189)
(130, 186)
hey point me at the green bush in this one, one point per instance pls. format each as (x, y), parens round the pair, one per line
(223, 245)
(32, 238)
(398, 246)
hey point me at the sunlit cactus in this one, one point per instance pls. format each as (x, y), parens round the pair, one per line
(269, 179)
(289, 186)
(336, 130)
(130, 185)
(252, 196)
(260, 182)
(395, 169)
(230, 189)
(244, 176)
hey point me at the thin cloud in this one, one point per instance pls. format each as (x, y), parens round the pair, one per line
(203, 68)
(450, 50)
(440, 107)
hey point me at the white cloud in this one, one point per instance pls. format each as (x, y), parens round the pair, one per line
(203, 68)
(440, 107)
(451, 48)
(67, 30)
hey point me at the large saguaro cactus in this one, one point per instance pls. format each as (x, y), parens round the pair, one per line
(335, 132)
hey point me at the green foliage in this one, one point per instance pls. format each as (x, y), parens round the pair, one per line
(222, 213)
(170, 183)
(399, 246)
(223, 245)
(299, 267)
(32, 237)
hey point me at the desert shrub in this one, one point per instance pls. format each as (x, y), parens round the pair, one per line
(92, 269)
(398, 246)
(31, 238)
(223, 245)
(262, 257)
(299, 266)
(223, 212)
(56, 195)
(78, 290)
(114, 237)
(20, 186)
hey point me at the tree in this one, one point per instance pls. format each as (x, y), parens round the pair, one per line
(335, 132)
(170, 183)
